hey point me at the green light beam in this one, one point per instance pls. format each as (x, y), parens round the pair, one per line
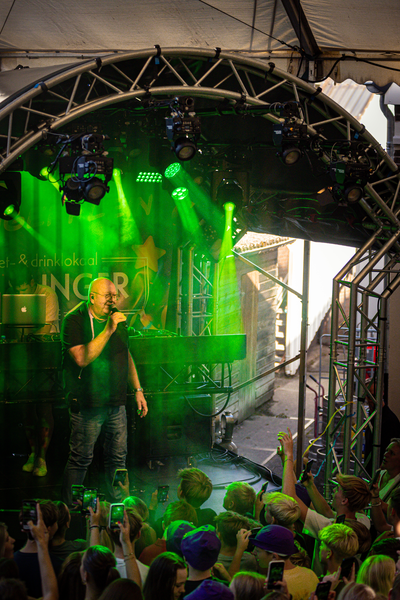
(230, 314)
(50, 248)
(185, 209)
(129, 230)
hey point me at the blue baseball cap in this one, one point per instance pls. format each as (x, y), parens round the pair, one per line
(201, 547)
(275, 538)
(174, 534)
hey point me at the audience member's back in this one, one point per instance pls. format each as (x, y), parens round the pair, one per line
(27, 558)
(228, 524)
(59, 546)
(70, 584)
(240, 498)
(200, 549)
(176, 511)
(195, 487)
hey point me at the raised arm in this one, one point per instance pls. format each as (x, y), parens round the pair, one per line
(289, 478)
(84, 354)
(132, 569)
(94, 525)
(319, 502)
(47, 574)
(242, 538)
(377, 512)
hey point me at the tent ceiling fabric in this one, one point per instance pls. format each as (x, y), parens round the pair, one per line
(366, 31)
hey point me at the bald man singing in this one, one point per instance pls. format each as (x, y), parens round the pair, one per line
(97, 368)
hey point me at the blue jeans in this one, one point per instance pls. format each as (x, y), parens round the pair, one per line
(85, 429)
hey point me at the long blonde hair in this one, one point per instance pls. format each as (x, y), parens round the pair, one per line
(378, 572)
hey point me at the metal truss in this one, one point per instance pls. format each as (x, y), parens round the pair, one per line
(144, 77)
(358, 346)
(146, 81)
(196, 292)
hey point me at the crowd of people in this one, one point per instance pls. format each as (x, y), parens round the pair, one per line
(285, 545)
(346, 549)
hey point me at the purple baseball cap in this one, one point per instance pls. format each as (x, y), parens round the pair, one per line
(211, 590)
(275, 538)
(201, 547)
(174, 534)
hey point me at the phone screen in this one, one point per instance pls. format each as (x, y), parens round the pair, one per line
(275, 573)
(77, 495)
(116, 515)
(119, 476)
(323, 589)
(306, 471)
(309, 465)
(28, 513)
(340, 519)
(162, 493)
(347, 565)
(89, 499)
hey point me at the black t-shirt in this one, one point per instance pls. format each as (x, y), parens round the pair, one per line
(191, 585)
(104, 382)
(29, 571)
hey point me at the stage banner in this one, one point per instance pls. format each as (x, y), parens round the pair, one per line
(130, 238)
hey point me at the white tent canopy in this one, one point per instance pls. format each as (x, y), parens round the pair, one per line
(43, 32)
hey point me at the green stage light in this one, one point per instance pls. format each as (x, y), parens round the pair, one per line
(229, 206)
(180, 193)
(44, 173)
(9, 210)
(172, 170)
(10, 197)
(147, 177)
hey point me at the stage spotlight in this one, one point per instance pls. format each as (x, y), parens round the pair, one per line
(229, 207)
(172, 170)
(290, 155)
(183, 128)
(10, 195)
(353, 193)
(94, 190)
(148, 177)
(230, 192)
(350, 177)
(72, 190)
(185, 148)
(180, 193)
(79, 169)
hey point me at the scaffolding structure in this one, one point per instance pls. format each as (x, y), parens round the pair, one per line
(358, 346)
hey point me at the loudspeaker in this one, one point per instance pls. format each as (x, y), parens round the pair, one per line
(172, 427)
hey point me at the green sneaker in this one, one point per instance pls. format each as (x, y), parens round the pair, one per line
(29, 465)
(40, 469)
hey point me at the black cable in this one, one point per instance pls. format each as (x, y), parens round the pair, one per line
(247, 25)
(8, 14)
(210, 416)
(224, 406)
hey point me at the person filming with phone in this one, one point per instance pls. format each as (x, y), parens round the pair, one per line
(97, 367)
(273, 547)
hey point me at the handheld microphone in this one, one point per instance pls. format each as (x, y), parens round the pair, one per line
(122, 324)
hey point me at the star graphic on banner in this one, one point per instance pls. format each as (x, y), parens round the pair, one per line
(148, 250)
